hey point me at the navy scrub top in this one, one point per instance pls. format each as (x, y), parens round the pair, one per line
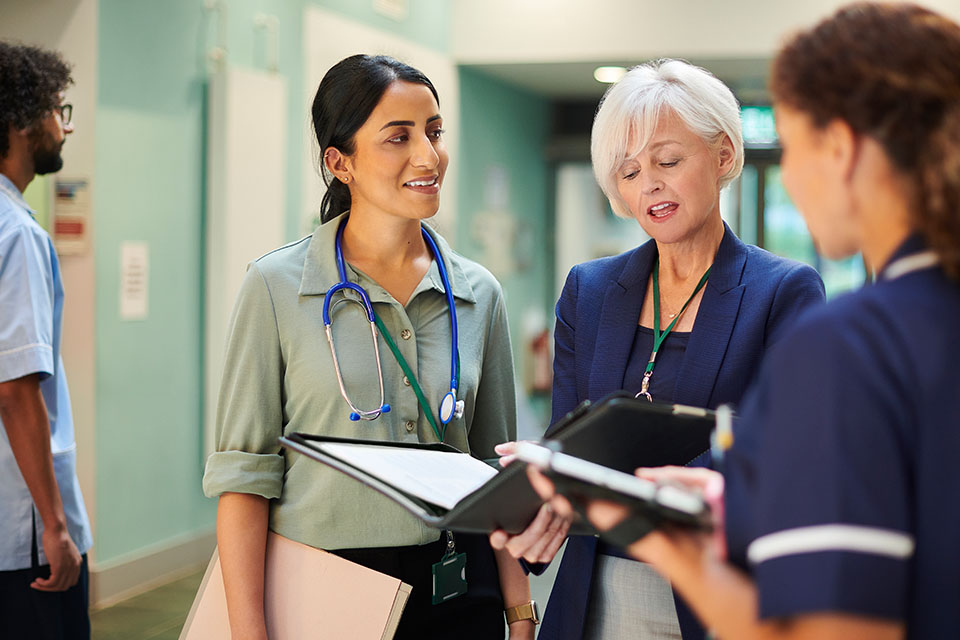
(842, 485)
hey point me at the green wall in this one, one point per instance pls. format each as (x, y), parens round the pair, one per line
(508, 127)
(150, 172)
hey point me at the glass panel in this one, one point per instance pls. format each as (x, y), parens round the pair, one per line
(785, 233)
(748, 204)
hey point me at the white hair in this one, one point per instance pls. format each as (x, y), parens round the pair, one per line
(631, 108)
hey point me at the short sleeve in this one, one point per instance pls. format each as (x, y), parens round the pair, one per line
(495, 412)
(830, 502)
(249, 408)
(27, 301)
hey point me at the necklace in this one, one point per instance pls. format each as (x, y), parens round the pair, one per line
(658, 335)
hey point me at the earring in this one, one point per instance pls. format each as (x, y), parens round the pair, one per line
(345, 179)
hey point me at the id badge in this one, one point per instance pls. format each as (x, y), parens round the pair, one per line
(449, 577)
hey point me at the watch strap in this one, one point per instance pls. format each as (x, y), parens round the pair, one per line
(526, 611)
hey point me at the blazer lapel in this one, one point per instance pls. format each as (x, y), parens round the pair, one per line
(714, 325)
(617, 325)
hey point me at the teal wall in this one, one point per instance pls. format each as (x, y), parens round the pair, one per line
(150, 172)
(508, 127)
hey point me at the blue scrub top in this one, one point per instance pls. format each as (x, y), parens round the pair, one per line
(31, 307)
(842, 490)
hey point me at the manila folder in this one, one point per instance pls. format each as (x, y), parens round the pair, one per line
(308, 593)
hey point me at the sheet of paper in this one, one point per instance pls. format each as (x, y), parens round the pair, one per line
(439, 477)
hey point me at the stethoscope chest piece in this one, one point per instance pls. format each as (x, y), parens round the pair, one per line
(450, 407)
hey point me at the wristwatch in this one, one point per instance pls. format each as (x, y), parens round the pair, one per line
(526, 611)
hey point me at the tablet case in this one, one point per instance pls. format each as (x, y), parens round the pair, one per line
(620, 431)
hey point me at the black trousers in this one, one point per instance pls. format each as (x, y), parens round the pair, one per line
(28, 614)
(477, 615)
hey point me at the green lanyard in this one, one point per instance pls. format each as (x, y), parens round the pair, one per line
(658, 336)
(407, 371)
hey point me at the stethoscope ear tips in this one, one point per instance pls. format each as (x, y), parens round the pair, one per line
(385, 409)
(354, 416)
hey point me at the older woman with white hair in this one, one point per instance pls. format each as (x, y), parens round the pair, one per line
(666, 140)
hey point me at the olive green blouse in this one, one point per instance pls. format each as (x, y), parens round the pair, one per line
(278, 378)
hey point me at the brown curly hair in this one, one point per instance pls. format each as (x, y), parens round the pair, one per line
(892, 72)
(31, 80)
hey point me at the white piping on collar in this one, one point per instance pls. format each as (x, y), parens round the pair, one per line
(909, 264)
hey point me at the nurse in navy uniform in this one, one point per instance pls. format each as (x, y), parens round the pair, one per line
(841, 488)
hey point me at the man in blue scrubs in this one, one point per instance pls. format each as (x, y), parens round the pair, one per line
(44, 532)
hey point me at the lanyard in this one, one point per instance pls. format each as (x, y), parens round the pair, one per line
(407, 371)
(658, 336)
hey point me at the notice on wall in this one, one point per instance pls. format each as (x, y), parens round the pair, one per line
(134, 280)
(71, 216)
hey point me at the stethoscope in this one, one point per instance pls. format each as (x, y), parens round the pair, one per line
(450, 407)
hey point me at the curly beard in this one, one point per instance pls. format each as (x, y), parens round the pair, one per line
(46, 153)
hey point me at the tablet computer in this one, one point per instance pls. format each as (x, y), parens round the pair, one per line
(651, 504)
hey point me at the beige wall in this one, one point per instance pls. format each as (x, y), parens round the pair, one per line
(518, 31)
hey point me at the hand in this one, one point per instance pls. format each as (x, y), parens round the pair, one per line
(64, 558)
(540, 541)
(506, 451)
(605, 515)
(522, 630)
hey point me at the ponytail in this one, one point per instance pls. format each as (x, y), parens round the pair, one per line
(938, 178)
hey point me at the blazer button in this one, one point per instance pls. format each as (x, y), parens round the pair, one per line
(406, 381)
(405, 334)
(410, 426)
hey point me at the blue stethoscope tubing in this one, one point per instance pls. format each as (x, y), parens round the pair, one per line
(450, 407)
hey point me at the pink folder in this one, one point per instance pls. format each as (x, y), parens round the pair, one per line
(308, 593)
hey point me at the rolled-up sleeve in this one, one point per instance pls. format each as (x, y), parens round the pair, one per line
(26, 297)
(249, 410)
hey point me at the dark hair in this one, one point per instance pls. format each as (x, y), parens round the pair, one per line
(892, 72)
(347, 95)
(31, 80)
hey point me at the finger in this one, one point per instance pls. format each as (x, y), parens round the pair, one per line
(498, 539)
(47, 584)
(505, 460)
(505, 448)
(519, 544)
(540, 483)
(605, 514)
(536, 549)
(74, 577)
(551, 549)
(562, 507)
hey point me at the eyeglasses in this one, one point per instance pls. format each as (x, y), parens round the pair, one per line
(66, 113)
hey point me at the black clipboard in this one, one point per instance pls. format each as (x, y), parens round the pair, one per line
(620, 431)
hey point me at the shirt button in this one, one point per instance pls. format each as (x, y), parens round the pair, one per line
(405, 334)
(410, 425)
(406, 381)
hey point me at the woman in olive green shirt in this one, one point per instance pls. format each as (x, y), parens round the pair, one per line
(379, 129)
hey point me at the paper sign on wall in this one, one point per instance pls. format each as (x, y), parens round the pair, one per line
(134, 280)
(71, 216)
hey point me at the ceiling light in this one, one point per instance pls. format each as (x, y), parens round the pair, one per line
(608, 75)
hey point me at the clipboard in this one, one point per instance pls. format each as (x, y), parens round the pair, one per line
(308, 593)
(619, 431)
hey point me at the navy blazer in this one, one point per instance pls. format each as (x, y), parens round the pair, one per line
(752, 296)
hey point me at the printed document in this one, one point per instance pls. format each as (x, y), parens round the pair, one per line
(439, 477)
